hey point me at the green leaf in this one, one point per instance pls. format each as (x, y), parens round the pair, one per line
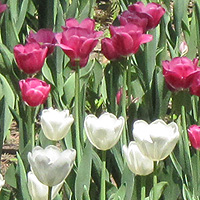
(159, 190)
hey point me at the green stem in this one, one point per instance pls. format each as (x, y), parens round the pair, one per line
(49, 192)
(155, 180)
(143, 188)
(129, 85)
(103, 176)
(77, 119)
(124, 139)
(198, 164)
(194, 108)
(30, 125)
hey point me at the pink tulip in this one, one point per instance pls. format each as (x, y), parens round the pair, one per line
(194, 136)
(34, 91)
(179, 72)
(78, 40)
(136, 18)
(153, 12)
(119, 96)
(3, 7)
(30, 58)
(124, 41)
(195, 84)
(45, 37)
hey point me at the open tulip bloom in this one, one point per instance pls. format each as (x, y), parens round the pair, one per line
(156, 140)
(103, 132)
(39, 191)
(56, 124)
(50, 165)
(136, 161)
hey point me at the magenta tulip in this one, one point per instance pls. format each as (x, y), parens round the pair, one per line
(30, 58)
(124, 41)
(195, 84)
(194, 136)
(34, 91)
(45, 37)
(78, 41)
(153, 12)
(179, 72)
(3, 7)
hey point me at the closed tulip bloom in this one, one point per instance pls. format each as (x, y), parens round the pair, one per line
(3, 7)
(34, 91)
(56, 124)
(194, 136)
(39, 191)
(50, 165)
(124, 41)
(156, 140)
(179, 72)
(103, 132)
(30, 57)
(153, 12)
(2, 182)
(45, 37)
(136, 161)
(78, 41)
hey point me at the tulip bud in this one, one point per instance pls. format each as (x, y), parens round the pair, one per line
(136, 161)
(155, 140)
(194, 136)
(103, 132)
(34, 91)
(30, 58)
(39, 191)
(183, 48)
(56, 124)
(46, 162)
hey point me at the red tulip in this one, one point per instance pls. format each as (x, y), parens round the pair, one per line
(195, 84)
(153, 12)
(179, 72)
(30, 58)
(45, 37)
(3, 7)
(34, 91)
(78, 41)
(194, 136)
(124, 41)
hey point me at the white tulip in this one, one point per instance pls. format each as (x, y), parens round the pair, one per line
(2, 182)
(103, 132)
(56, 124)
(156, 140)
(50, 165)
(39, 191)
(136, 161)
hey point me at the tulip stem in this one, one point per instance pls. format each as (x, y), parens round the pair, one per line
(129, 85)
(30, 125)
(77, 111)
(49, 192)
(155, 181)
(143, 188)
(103, 176)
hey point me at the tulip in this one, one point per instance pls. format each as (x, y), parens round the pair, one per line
(2, 182)
(136, 161)
(50, 165)
(194, 136)
(77, 42)
(195, 84)
(119, 96)
(103, 132)
(34, 91)
(30, 58)
(155, 140)
(45, 37)
(183, 48)
(153, 12)
(3, 7)
(179, 72)
(56, 124)
(125, 41)
(39, 191)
